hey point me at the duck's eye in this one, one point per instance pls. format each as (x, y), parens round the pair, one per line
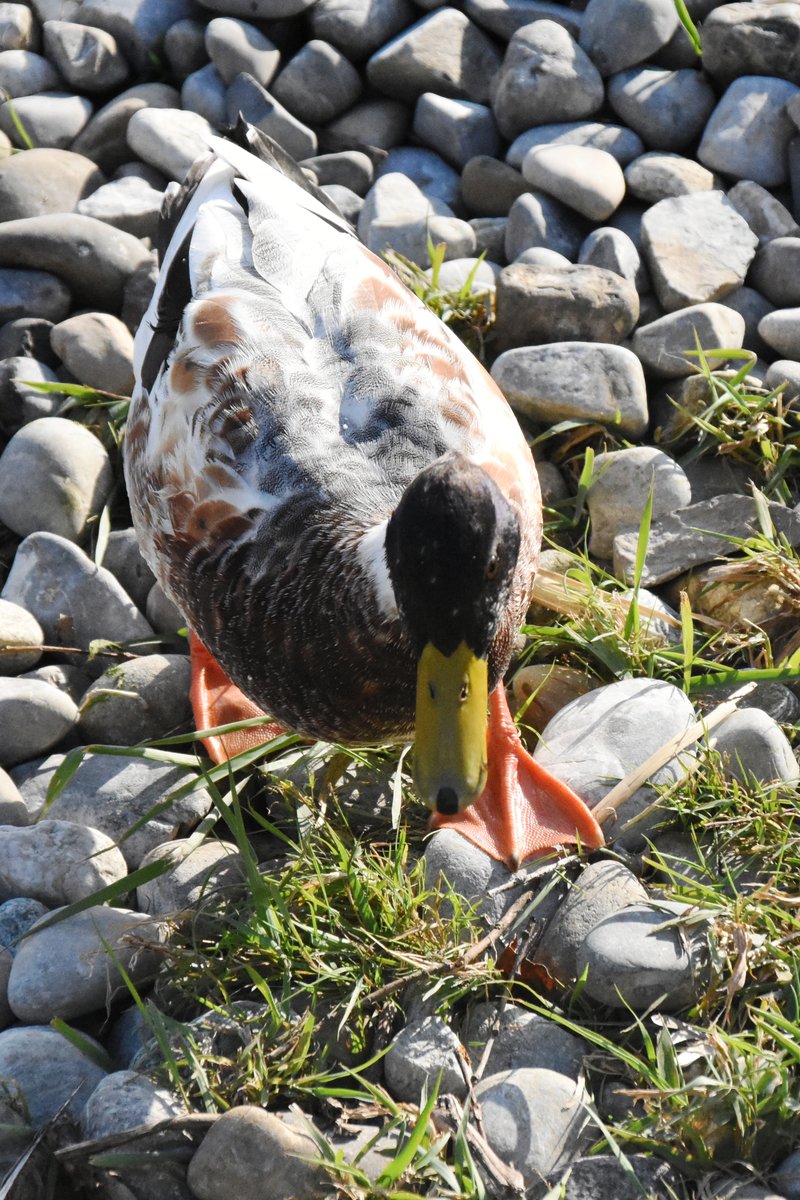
(493, 567)
(464, 693)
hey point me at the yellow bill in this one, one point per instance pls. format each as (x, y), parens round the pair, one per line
(450, 747)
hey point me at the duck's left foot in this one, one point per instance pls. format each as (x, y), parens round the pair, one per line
(523, 810)
(218, 701)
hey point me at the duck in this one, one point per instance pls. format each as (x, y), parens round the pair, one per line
(339, 499)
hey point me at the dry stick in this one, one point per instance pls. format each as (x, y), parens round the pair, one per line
(634, 780)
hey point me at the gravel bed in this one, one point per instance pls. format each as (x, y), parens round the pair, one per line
(631, 200)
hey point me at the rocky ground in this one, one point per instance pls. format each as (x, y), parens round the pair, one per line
(633, 199)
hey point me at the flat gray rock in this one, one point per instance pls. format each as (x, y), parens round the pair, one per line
(24, 73)
(597, 739)
(138, 701)
(533, 1119)
(613, 250)
(57, 862)
(776, 271)
(545, 76)
(781, 330)
(659, 175)
(76, 967)
(138, 27)
(246, 95)
(584, 178)
(73, 600)
(648, 25)
(668, 109)
(698, 534)
(489, 187)
(536, 220)
(553, 304)
(126, 1100)
(318, 84)
(204, 92)
(88, 58)
(112, 793)
(425, 168)
(349, 168)
(104, 139)
(622, 143)
(764, 213)
(755, 749)
(520, 1038)
(748, 133)
(697, 248)
(34, 717)
(633, 962)
(130, 204)
(751, 39)
(56, 476)
(358, 27)
(235, 46)
(94, 260)
(50, 119)
(444, 52)
(621, 482)
(504, 17)
(50, 1072)
(32, 294)
(460, 130)
(425, 1047)
(18, 628)
(199, 877)
(169, 138)
(45, 181)
(470, 873)
(665, 346)
(575, 381)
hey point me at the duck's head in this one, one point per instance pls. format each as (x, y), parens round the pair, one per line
(451, 547)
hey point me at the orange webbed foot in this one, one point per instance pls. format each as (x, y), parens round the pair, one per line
(523, 810)
(218, 701)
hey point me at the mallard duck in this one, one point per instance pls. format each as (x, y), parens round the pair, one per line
(340, 501)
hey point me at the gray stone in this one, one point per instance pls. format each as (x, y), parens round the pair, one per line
(786, 374)
(534, 1119)
(622, 143)
(752, 306)
(257, 105)
(94, 260)
(780, 329)
(104, 140)
(668, 109)
(456, 272)
(698, 534)
(34, 717)
(347, 168)
(603, 1175)
(443, 53)
(520, 1038)
(18, 628)
(764, 213)
(27, 338)
(658, 176)
(57, 862)
(621, 483)
(162, 613)
(470, 873)
(776, 271)
(49, 1070)
(57, 476)
(138, 701)
(76, 967)
(749, 131)
(613, 250)
(16, 918)
(394, 198)
(204, 92)
(258, 9)
(581, 381)
(664, 344)
(199, 876)
(21, 403)
(380, 124)
(12, 812)
(540, 256)
(169, 138)
(427, 170)
(584, 178)
(97, 349)
(50, 119)
(597, 739)
(185, 46)
(18, 28)
(128, 1035)
(25, 73)
(247, 1145)
(129, 204)
(633, 962)
(45, 181)
(112, 793)
(74, 601)
(32, 294)
(412, 238)
(138, 292)
(425, 1047)
(490, 187)
(755, 749)
(358, 27)
(490, 237)
(545, 76)
(138, 25)
(538, 220)
(88, 58)
(648, 25)
(318, 84)
(123, 559)
(751, 39)
(126, 1100)
(602, 888)
(697, 248)
(235, 46)
(550, 304)
(458, 129)
(786, 1176)
(347, 202)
